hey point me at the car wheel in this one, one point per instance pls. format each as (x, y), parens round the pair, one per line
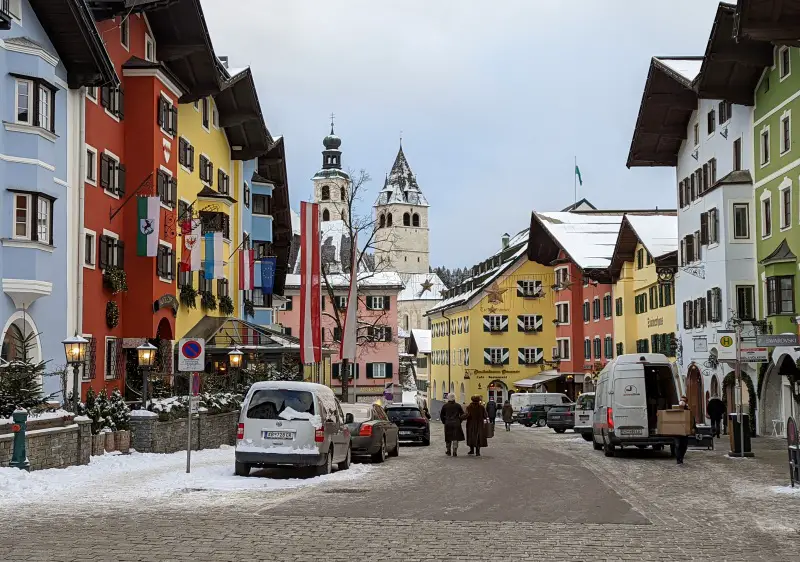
(559, 429)
(595, 445)
(345, 464)
(426, 441)
(658, 447)
(608, 449)
(541, 422)
(241, 469)
(327, 466)
(380, 456)
(396, 451)
(586, 436)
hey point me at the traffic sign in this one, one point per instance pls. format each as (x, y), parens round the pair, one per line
(191, 354)
(776, 340)
(194, 404)
(726, 348)
(754, 355)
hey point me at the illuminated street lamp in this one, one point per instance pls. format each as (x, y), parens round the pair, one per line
(146, 354)
(235, 361)
(75, 350)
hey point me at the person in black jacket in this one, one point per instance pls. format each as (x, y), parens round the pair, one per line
(491, 409)
(716, 411)
(452, 415)
(682, 442)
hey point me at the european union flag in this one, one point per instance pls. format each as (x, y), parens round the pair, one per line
(268, 274)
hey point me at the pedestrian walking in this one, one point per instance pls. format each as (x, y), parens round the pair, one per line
(452, 415)
(508, 414)
(682, 442)
(716, 411)
(491, 409)
(477, 417)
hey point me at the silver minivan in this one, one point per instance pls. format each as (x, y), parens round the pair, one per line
(291, 424)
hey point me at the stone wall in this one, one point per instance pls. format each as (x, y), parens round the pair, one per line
(209, 431)
(52, 447)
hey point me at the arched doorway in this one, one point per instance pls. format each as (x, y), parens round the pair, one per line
(12, 347)
(16, 332)
(164, 330)
(715, 387)
(497, 391)
(748, 398)
(695, 394)
(776, 396)
(444, 393)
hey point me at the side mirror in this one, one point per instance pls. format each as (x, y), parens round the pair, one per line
(348, 418)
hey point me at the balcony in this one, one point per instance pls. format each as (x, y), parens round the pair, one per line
(5, 14)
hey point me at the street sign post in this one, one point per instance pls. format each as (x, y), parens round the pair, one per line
(776, 340)
(726, 348)
(755, 354)
(194, 407)
(195, 384)
(191, 354)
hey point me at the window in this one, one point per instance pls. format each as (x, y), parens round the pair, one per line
(260, 300)
(596, 308)
(765, 146)
(378, 370)
(185, 278)
(149, 48)
(167, 188)
(586, 311)
(415, 219)
(640, 303)
(688, 315)
(562, 312)
(531, 323)
(766, 216)
(91, 93)
(114, 359)
(607, 306)
(340, 303)
(786, 133)
(112, 175)
(165, 264)
(186, 154)
(562, 348)
(697, 134)
(619, 306)
(640, 258)
(608, 345)
(206, 170)
(529, 288)
(712, 121)
(112, 252)
(406, 219)
(745, 302)
(741, 221)
(205, 112)
(262, 249)
(379, 333)
(597, 348)
(562, 277)
(223, 288)
(125, 32)
(326, 215)
(89, 248)
(495, 355)
(262, 204)
(713, 226)
(531, 355)
(620, 349)
(167, 116)
(714, 302)
(785, 62)
(737, 154)
(780, 295)
(325, 193)
(587, 349)
(43, 214)
(33, 214)
(495, 322)
(725, 111)
(22, 211)
(215, 221)
(246, 195)
(642, 346)
(377, 303)
(786, 207)
(91, 165)
(223, 182)
(203, 285)
(113, 100)
(35, 104)
(690, 257)
(214, 117)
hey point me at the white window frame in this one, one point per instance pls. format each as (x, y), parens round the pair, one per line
(105, 357)
(214, 115)
(738, 239)
(116, 173)
(373, 301)
(786, 116)
(496, 355)
(15, 9)
(529, 321)
(115, 236)
(530, 287)
(31, 93)
(149, 42)
(566, 305)
(781, 75)
(48, 206)
(45, 97)
(530, 355)
(561, 276)
(174, 264)
(560, 347)
(764, 133)
(713, 227)
(766, 197)
(383, 368)
(783, 189)
(90, 90)
(125, 33)
(754, 296)
(495, 322)
(28, 210)
(93, 150)
(92, 264)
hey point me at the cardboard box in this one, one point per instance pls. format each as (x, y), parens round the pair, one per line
(674, 422)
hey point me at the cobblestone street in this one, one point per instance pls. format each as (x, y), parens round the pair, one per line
(533, 495)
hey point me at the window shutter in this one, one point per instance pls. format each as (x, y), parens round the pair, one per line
(709, 300)
(487, 356)
(680, 193)
(121, 179)
(105, 170)
(335, 370)
(505, 356)
(369, 370)
(120, 253)
(504, 323)
(160, 112)
(103, 252)
(718, 299)
(387, 333)
(220, 181)
(120, 103)
(703, 228)
(386, 303)
(389, 372)
(487, 324)
(191, 157)
(520, 291)
(174, 121)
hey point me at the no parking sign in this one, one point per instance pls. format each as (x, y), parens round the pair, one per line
(191, 354)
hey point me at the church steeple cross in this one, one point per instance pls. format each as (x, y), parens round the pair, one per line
(332, 118)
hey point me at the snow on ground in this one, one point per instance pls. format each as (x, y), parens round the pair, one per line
(787, 490)
(142, 476)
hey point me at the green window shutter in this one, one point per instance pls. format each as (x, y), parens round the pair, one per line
(389, 373)
(386, 302)
(335, 371)
(369, 370)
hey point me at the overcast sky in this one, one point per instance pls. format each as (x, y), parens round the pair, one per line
(494, 99)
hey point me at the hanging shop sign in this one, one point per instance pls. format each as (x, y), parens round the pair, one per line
(166, 301)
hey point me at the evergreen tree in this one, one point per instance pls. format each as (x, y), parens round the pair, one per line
(20, 380)
(119, 413)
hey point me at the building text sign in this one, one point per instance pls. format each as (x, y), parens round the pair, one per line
(776, 340)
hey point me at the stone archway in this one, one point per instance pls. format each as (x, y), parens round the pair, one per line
(18, 328)
(498, 391)
(776, 399)
(695, 393)
(749, 392)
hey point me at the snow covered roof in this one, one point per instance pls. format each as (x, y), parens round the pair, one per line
(686, 68)
(588, 238)
(366, 279)
(422, 339)
(421, 286)
(295, 222)
(657, 233)
(401, 185)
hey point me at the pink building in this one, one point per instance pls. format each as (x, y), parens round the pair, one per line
(378, 351)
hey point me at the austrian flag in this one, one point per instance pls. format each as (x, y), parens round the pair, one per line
(246, 270)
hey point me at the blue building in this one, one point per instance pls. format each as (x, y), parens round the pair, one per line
(49, 51)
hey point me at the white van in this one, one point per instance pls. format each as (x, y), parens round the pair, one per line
(630, 391)
(298, 424)
(520, 399)
(584, 413)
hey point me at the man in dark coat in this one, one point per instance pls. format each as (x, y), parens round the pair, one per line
(491, 409)
(716, 411)
(452, 415)
(476, 432)
(508, 415)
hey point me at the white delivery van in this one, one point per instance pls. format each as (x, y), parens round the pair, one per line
(584, 413)
(630, 391)
(520, 399)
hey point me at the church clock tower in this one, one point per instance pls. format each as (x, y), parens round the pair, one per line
(331, 184)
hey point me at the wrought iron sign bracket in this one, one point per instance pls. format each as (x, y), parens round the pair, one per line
(113, 212)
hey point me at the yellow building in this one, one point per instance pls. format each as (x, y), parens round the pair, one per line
(494, 329)
(646, 245)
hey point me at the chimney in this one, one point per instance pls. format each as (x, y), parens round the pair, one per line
(505, 239)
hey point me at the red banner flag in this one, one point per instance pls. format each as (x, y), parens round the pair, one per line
(246, 274)
(349, 329)
(310, 309)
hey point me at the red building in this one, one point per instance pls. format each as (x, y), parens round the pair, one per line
(163, 55)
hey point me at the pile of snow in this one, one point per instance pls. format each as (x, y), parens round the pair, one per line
(139, 477)
(33, 416)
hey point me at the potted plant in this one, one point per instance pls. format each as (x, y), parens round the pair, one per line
(208, 301)
(114, 278)
(249, 308)
(226, 305)
(112, 314)
(188, 296)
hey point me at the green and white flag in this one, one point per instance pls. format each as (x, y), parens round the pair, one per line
(578, 173)
(149, 213)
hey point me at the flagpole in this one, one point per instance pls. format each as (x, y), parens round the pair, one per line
(575, 178)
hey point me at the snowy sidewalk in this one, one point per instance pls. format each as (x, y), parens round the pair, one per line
(136, 477)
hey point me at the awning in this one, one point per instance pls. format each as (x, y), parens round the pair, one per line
(541, 378)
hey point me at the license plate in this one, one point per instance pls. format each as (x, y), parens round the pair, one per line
(278, 435)
(406, 433)
(584, 418)
(630, 432)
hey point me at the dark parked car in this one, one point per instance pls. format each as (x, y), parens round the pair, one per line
(532, 415)
(414, 424)
(371, 432)
(561, 418)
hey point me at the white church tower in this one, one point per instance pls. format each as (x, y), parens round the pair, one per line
(401, 215)
(331, 184)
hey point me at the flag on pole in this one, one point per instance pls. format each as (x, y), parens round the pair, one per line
(310, 302)
(246, 269)
(149, 213)
(191, 259)
(214, 256)
(578, 174)
(268, 266)
(349, 335)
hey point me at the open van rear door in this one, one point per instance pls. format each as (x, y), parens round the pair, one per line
(629, 401)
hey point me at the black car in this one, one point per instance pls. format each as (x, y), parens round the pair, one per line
(371, 432)
(414, 424)
(532, 415)
(561, 418)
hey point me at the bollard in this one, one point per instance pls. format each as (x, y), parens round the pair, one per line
(19, 458)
